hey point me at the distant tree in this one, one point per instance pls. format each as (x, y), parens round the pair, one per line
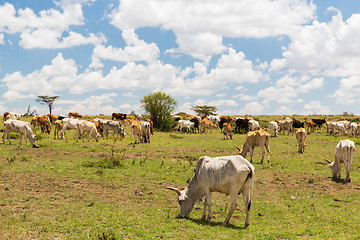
(49, 101)
(204, 111)
(159, 106)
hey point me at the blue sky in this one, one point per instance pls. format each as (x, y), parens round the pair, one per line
(244, 57)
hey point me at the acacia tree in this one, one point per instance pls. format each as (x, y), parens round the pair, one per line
(160, 106)
(204, 111)
(49, 101)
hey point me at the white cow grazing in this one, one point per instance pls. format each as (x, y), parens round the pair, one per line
(114, 126)
(253, 125)
(354, 129)
(215, 119)
(338, 127)
(301, 136)
(274, 128)
(84, 126)
(21, 127)
(285, 125)
(185, 124)
(230, 175)
(68, 124)
(344, 154)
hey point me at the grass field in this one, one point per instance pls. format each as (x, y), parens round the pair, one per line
(102, 190)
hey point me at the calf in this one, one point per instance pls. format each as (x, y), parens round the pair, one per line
(258, 138)
(136, 132)
(114, 126)
(145, 131)
(68, 124)
(230, 175)
(301, 136)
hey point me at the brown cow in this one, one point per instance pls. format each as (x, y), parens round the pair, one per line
(227, 131)
(258, 138)
(301, 136)
(120, 116)
(74, 115)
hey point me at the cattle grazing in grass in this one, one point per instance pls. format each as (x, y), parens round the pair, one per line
(273, 128)
(285, 125)
(310, 126)
(84, 126)
(241, 124)
(254, 125)
(74, 115)
(258, 138)
(145, 131)
(300, 137)
(206, 125)
(114, 126)
(318, 122)
(297, 124)
(354, 129)
(230, 175)
(135, 131)
(21, 127)
(196, 120)
(43, 122)
(58, 124)
(225, 119)
(187, 125)
(227, 131)
(337, 127)
(344, 153)
(68, 124)
(119, 116)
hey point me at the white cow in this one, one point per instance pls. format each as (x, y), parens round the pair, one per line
(185, 124)
(145, 131)
(215, 119)
(21, 127)
(344, 154)
(114, 126)
(68, 124)
(230, 175)
(285, 125)
(253, 125)
(338, 127)
(274, 128)
(354, 129)
(84, 126)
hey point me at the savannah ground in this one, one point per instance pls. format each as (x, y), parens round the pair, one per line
(101, 190)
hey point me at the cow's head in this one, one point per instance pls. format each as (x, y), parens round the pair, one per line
(242, 152)
(185, 201)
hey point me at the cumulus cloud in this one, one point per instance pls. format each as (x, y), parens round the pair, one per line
(200, 26)
(49, 28)
(330, 48)
(315, 107)
(252, 108)
(348, 91)
(136, 50)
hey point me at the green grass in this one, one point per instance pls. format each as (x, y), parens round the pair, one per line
(102, 190)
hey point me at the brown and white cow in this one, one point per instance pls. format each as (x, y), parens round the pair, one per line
(74, 115)
(84, 126)
(258, 138)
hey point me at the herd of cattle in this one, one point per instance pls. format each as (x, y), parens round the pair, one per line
(230, 175)
(233, 175)
(94, 128)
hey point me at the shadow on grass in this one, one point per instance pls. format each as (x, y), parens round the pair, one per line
(212, 223)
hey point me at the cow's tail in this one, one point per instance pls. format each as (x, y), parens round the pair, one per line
(249, 190)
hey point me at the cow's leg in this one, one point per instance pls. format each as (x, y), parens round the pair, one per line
(262, 153)
(8, 137)
(348, 179)
(207, 203)
(233, 196)
(251, 153)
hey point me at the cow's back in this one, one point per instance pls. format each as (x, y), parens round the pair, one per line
(220, 173)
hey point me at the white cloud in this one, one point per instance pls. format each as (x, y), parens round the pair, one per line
(315, 107)
(348, 91)
(280, 95)
(252, 108)
(328, 48)
(284, 110)
(2, 38)
(136, 50)
(200, 26)
(46, 30)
